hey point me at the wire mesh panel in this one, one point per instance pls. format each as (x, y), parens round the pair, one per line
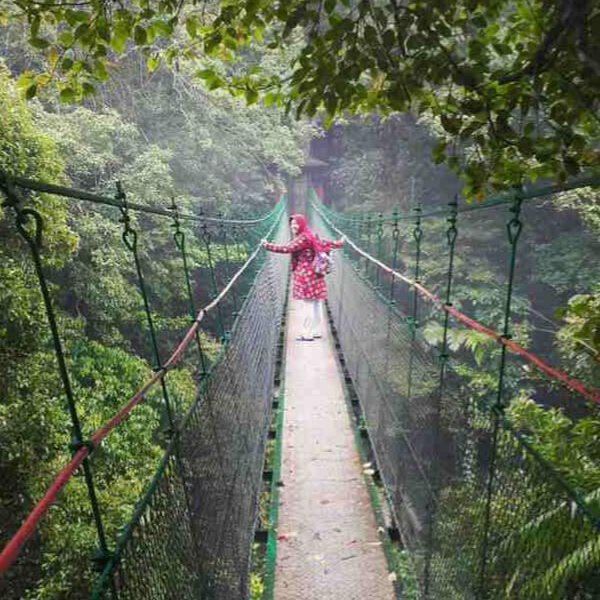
(191, 536)
(378, 346)
(205, 424)
(486, 502)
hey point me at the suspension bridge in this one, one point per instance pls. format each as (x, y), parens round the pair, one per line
(480, 512)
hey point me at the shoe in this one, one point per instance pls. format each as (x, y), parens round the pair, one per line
(317, 336)
(303, 338)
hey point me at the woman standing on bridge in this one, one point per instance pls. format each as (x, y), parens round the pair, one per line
(308, 285)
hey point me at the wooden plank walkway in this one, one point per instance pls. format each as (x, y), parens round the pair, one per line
(328, 545)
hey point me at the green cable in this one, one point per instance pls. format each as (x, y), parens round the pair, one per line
(451, 235)
(513, 227)
(35, 244)
(206, 238)
(179, 238)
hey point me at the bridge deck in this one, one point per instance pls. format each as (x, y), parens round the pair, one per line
(329, 546)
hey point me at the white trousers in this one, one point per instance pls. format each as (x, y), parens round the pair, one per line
(312, 316)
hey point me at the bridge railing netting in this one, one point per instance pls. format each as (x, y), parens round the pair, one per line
(190, 533)
(483, 508)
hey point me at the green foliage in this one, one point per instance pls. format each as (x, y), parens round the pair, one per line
(540, 545)
(563, 265)
(474, 341)
(571, 447)
(103, 378)
(255, 580)
(384, 164)
(257, 587)
(405, 573)
(103, 331)
(582, 328)
(572, 450)
(516, 82)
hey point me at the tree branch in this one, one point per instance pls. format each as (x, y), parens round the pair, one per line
(571, 14)
(583, 49)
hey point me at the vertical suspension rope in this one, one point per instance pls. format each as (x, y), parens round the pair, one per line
(230, 271)
(391, 299)
(179, 238)
(239, 249)
(513, 229)
(380, 235)
(414, 318)
(346, 253)
(368, 227)
(130, 239)
(35, 245)
(227, 269)
(206, 238)
(244, 250)
(451, 235)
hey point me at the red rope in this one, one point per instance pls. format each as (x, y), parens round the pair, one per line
(11, 551)
(557, 374)
(551, 371)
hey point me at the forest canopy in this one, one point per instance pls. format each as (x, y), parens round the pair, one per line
(216, 106)
(512, 84)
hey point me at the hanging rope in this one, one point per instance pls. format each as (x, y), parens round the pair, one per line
(179, 239)
(82, 449)
(64, 192)
(552, 372)
(469, 492)
(23, 216)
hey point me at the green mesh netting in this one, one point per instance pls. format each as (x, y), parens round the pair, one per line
(482, 515)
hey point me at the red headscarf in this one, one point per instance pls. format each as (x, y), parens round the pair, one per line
(303, 228)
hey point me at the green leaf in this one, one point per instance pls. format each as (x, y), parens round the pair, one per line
(231, 43)
(66, 38)
(140, 36)
(67, 95)
(191, 26)
(215, 83)
(31, 91)
(87, 89)
(25, 80)
(52, 57)
(66, 65)
(251, 97)
(39, 43)
(371, 35)
(34, 28)
(270, 98)
(206, 74)
(450, 123)
(99, 70)
(118, 40)
(153, 63)
(389, 39)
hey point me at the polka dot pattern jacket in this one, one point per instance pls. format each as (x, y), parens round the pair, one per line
(307, 285)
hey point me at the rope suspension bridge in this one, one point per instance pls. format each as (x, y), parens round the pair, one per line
(468, 491)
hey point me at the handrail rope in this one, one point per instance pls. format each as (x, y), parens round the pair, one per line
(40, 186)
(553, 372)
(145, 499)
(13, 547)
(490, 202)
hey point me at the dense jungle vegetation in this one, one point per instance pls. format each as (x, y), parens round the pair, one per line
(215, 104)
(162, 135)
